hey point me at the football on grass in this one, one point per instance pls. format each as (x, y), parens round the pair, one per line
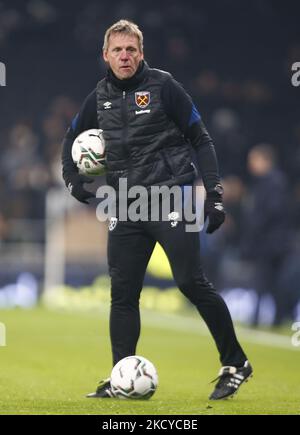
(134, 377)
(88, 152)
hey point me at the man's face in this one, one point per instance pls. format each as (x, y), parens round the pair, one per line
(123, 55)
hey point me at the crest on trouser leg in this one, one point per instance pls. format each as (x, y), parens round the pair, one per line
(112, 223)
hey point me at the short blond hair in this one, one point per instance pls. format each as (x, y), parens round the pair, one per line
(126, 27)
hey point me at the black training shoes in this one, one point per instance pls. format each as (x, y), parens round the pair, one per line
(103, 390)
(229, 381)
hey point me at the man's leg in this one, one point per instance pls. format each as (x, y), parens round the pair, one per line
(183, 251)
(129, 251)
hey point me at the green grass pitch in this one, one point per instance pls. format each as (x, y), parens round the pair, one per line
(52, 359)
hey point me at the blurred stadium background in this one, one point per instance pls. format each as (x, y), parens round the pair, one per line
(235, 59)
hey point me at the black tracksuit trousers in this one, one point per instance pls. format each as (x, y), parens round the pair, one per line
(130, 245)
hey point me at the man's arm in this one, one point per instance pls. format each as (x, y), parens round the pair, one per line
(181, 109)
(84, 120)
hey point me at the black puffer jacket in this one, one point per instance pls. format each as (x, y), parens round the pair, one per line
(142, 143)
(151, 126)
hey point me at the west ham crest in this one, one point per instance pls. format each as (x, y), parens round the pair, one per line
(142, 99)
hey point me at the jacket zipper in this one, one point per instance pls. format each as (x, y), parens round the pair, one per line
(125, 123)
(124, 111)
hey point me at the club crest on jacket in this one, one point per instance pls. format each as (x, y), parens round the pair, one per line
(142, 99)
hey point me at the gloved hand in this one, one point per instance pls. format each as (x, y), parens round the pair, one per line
(214, 211)
(75, 182)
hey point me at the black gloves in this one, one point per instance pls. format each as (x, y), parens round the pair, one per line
(214, 209)
(74, 183)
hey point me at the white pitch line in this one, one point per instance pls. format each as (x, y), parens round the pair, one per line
(196, 326)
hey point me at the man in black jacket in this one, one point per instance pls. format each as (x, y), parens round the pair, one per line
(150, 125)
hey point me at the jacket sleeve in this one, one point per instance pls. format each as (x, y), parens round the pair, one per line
(84, 120)
(180, 108)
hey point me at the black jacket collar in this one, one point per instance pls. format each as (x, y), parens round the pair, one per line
(133, 82)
